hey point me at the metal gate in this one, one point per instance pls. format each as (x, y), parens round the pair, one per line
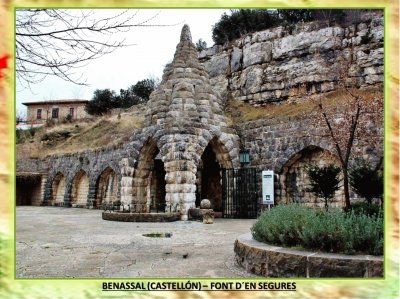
(239, 193)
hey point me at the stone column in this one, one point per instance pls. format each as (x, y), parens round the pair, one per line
(180, 186)
(91, 193)
(47, 191)
(126, 182)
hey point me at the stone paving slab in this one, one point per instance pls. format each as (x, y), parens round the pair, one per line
(70, 242)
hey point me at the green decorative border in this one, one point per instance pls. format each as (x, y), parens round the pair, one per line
(318, 288)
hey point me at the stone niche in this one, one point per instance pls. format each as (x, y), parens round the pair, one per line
(294, 178)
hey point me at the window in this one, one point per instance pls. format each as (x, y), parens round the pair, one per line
(39, 114)
(54, 113)
(71, 112)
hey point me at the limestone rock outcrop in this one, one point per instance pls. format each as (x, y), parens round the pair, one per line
(281, 64)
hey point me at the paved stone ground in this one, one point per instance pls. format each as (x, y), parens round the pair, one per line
(69, 242)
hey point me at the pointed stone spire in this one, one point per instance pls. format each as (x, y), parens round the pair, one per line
(185, 34)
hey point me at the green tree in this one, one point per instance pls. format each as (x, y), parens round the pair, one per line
(366, 181)
(324, 181)
(142, 89)
(137, 93)
(242, 21)
(296, 15)
(103, 101)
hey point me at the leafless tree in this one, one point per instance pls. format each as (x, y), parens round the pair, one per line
(357, 118)
(57, 41)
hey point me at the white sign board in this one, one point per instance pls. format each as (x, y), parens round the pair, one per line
(268, 187)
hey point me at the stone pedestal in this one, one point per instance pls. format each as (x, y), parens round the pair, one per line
(208, 216)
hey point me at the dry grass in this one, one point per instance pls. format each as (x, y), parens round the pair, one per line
(100, 132)
(239, 111)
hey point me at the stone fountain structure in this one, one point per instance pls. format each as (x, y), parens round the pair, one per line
(183, 118)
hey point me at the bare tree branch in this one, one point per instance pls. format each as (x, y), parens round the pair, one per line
(351, 121)
(55, 42)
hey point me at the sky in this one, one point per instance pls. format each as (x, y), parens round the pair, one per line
(154, 48)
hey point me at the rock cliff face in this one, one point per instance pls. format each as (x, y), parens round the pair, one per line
(282, 64)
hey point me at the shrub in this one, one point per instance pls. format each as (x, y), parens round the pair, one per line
(68, 118)
(366, 208)
(23, 135)
(201, 45)
(366, 181)
(20, 136)
(324, 181)
(315, 229)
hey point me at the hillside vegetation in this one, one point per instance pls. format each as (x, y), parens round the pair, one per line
(79, 136)
(239, 111)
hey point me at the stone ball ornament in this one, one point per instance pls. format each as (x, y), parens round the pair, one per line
(205, 204)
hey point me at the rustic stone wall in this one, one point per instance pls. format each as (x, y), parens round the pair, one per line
(63, 169)
(281, 64)
(273, 261)
(279, 144)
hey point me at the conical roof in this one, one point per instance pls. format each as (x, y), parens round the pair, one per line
(185, 96)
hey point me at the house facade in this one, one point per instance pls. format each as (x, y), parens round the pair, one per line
(57, 110)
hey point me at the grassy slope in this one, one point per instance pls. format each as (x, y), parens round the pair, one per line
(239, 111)
(83, 135)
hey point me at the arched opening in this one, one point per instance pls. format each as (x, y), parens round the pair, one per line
(28, 191)
(208, 179)
(149, 180)
(158, 186)
(106, 187)
(80, 189)
(58, 189)
(295, 181)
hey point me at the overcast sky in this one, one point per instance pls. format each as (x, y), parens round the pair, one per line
(154, 48)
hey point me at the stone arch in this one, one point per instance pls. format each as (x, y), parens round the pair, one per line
(80, 189)
(106, 187)
(214, 157)
(58, 188)
(149, 186)
(294, 179)
(285, 156)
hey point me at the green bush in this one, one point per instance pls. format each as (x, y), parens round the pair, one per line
(366, 181)
(23, 135)
(366, 208)
(324, 181)
(315, 229)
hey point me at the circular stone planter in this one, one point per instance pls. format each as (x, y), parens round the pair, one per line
(273, 261)
(141, 217)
